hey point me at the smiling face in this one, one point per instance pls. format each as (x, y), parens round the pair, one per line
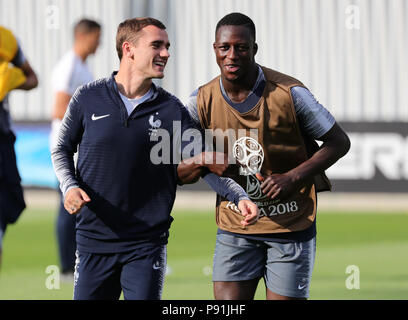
(149, 53)
(235, 50)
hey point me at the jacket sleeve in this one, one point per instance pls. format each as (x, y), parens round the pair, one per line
(69, 137)
(225, 187)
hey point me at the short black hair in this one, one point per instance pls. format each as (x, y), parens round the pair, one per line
(237, 19)
(86, 26)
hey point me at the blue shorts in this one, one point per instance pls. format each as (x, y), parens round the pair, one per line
(286, 267)
(139, 273)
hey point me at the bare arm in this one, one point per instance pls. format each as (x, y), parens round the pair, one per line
(61, 103)
(190, 170)
(31, 78)
(335, 145)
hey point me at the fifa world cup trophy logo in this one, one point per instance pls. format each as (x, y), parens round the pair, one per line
(250, 155)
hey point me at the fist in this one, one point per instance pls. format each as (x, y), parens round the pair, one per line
(216, 162)
(249, 211)
(75, 199)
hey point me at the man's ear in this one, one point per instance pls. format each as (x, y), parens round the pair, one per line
(255, 48)
(126, 50)
(214, 46)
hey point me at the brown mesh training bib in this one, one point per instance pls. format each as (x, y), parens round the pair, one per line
(284, 149)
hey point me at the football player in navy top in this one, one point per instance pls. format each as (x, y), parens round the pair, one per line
(121, 197)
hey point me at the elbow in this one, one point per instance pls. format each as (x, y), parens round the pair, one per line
(30, 83)
(186, 177)
(345, 145)
(188, 173)
(33, 82)
(187, 180)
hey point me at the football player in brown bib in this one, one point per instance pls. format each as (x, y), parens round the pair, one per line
(281, 167)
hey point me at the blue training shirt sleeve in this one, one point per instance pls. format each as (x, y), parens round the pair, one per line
(314, 119)
(191, 106)
(68, 139)
(226, 187)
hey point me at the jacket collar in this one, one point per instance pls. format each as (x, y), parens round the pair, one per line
(114, 86)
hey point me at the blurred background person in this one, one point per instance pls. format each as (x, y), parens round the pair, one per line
(70, 73)
(15, 73)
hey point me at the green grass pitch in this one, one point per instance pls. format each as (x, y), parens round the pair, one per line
(376, 243)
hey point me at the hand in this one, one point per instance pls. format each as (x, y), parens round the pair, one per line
(278, 185)
(259, 176)
(75, 199)
(216, 162)
(249, 210)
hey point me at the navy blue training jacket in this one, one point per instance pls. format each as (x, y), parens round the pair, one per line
(131, 198)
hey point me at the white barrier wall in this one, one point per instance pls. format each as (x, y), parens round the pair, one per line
(349, 53)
